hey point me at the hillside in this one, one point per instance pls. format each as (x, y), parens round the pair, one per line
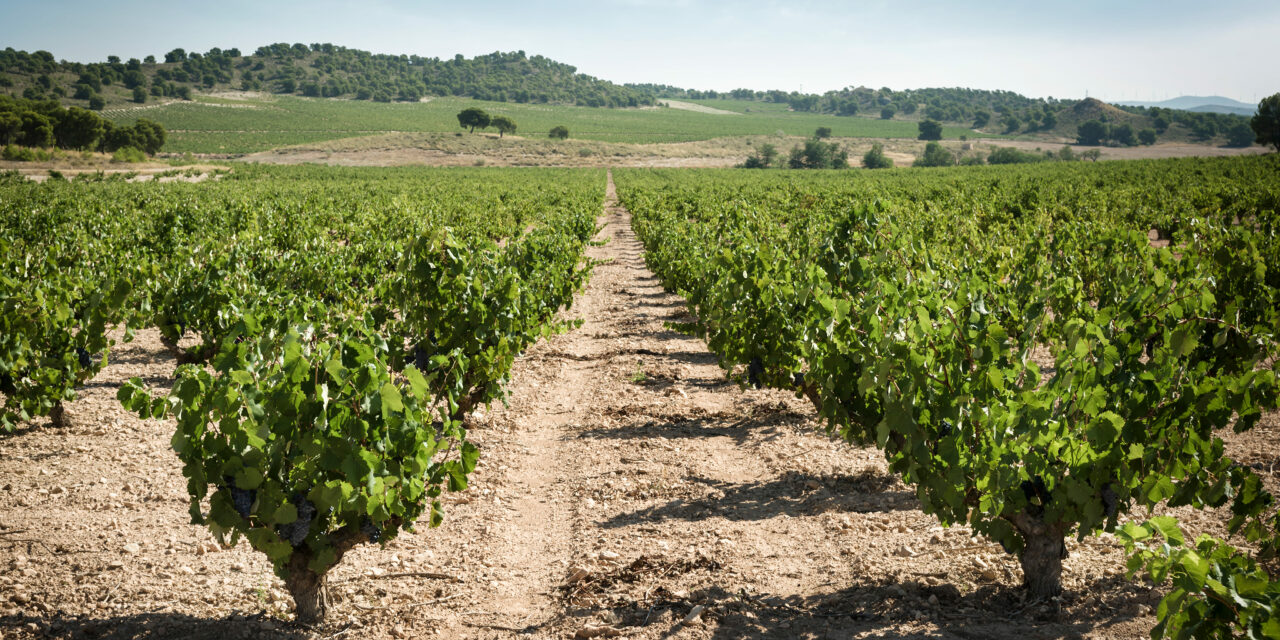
(226, 102)
(318, 70)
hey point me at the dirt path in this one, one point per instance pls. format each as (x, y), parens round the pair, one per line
(627, 485)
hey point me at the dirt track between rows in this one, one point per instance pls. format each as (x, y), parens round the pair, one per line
(627, 485)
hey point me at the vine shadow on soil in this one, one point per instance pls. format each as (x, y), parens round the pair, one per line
(886, 609)
(154, 626)
(791, 494)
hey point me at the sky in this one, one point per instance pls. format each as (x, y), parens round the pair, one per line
(1114, 50)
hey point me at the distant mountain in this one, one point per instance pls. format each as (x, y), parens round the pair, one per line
(1200, 104)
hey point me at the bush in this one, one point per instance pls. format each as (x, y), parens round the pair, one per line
(18, 154)
(763, 158)
(128, 154)
(935, 155)
(559, 133)
(1147, 136)
(818, 155)
(875, 158)
(822, 133)
(1010, 155)
(96, 102)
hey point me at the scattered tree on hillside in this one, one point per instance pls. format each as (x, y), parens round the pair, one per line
(1091, 132)
(559, 132)
(1011, 123)
(822, 132)
(1161, 124)
(503, 124)
(930, 130)
(981, 119)
(1147, 137)
(935, 155)
(887, 113)
(139, 95)
(473, 117)
(875, 158)
(1266, 124)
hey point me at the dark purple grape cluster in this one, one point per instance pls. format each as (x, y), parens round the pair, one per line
(371, 531)
(296, 532)
(83, 356)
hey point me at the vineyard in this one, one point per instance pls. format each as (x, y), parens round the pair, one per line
(1052, 387)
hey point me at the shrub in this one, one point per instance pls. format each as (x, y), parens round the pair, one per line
(1010, 155)
(875, 158)
(935, 155)
(559, 132)
(128, 154)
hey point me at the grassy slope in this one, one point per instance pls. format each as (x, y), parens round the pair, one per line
(214, 125)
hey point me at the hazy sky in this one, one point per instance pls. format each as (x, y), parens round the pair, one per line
(1115, 50)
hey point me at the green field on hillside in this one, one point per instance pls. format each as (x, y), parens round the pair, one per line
(221, 125)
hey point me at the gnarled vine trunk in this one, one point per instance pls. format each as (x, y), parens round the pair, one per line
(309, 590)
(1044, 548)
(58, 415)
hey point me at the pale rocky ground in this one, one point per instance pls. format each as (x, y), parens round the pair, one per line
(627, 486)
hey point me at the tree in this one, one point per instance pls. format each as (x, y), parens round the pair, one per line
(559, 132)
(1161, 124)
(1092, 154)
(821, 133)
(887, 113)
(1148, 136)
(139, 95)
(1239, 135)
(1011, 123)
(37, 130)
(10, 126)
(818, 155)
(1050, 121)
(97, 103)
(78, 129)
(1091, 132)
(935, 155)
(929, 130)
(763, 158)
(875, 158)
(1266, 124)
(473, 117)
(1123, 134)
(980, 119)
(504, 125)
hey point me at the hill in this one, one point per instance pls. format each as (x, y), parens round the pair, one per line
(317, 70)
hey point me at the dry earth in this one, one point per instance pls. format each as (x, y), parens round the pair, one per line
(444, 149)
(627, 488)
